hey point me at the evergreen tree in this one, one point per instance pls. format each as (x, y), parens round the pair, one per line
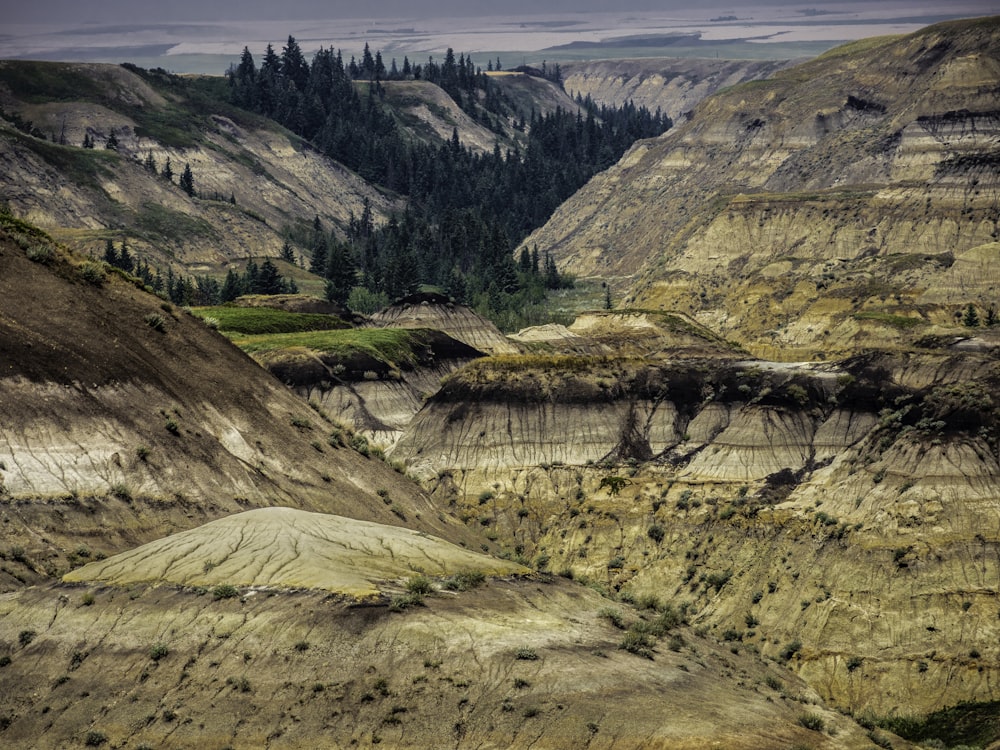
(287, 253)
(125, 260)
(168, 172)
(341, 273)
(112, 143)
(110, 254)
(269, 280)
(88, 142)
(187, 180)
(293, 65)
(991, 316)
(232, 287)
(150, 162)
(971, 317)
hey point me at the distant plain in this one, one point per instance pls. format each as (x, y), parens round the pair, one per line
(766, 32)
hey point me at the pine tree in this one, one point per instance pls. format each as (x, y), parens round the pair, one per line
(110, 254)
(232, 287)
(991, 316)
(150, 163)
(88, 142)
(287, 254)
(125, 260)
(607, 296)
(269, 281)
(971, 317)
(168, 172)
(112, 143)
(187, 180)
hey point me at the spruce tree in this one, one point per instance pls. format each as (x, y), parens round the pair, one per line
(150, 163)
(110, 254)
(971, 317)
(125, 260)
(187, 180)
(167, 173)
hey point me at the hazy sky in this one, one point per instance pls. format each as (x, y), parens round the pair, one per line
(139, 11)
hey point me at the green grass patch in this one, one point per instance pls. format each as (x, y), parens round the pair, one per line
(83, 166)
(901, 322)
(156, 222)
(262, 321)
(967, 724)
(40, 82)
(386, 344)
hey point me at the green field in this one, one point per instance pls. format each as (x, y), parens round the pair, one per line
(266, 321)
(393, 345)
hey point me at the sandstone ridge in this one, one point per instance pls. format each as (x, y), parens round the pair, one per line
(288, 548)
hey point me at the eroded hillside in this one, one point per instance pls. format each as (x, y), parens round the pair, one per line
(124, 418)
(840, 518)
(673, 85)
(846, 202)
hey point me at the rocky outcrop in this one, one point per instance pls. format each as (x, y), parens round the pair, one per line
(672, 85)
(838, 518)
(493, 663)
(125, 417)
(808, 213)
(291, 549)
(438, 312)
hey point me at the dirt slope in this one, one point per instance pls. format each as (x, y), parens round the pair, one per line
(124, 418)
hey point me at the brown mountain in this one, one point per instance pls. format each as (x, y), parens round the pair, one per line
(845, 202)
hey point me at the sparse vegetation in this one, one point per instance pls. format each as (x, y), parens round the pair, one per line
(813, 722)
(225, 591)
(94, 738)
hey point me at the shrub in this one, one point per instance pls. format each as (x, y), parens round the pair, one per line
(43, 254)
(399, 603)
(121, 491)
(465, 581)
(142, 452)
(95, 739)
(613, 616)
(420, 585)
(158, 651)
(812, 721)
(718, 580)
(225, 591)
(853, 663)
(526, 654)
(92, 273)
(87, 599)
(520, 682)
(155, 322)
(656, 533)
(172, 427)
(637, 643)
(790, 650)
(26, 636)
(301, 646)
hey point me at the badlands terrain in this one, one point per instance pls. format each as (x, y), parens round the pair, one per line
(753, 503)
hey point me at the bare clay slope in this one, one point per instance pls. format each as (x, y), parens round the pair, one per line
(507, 664)
(840, 518)
(125, 418)
(811, 211)
(673, 85)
